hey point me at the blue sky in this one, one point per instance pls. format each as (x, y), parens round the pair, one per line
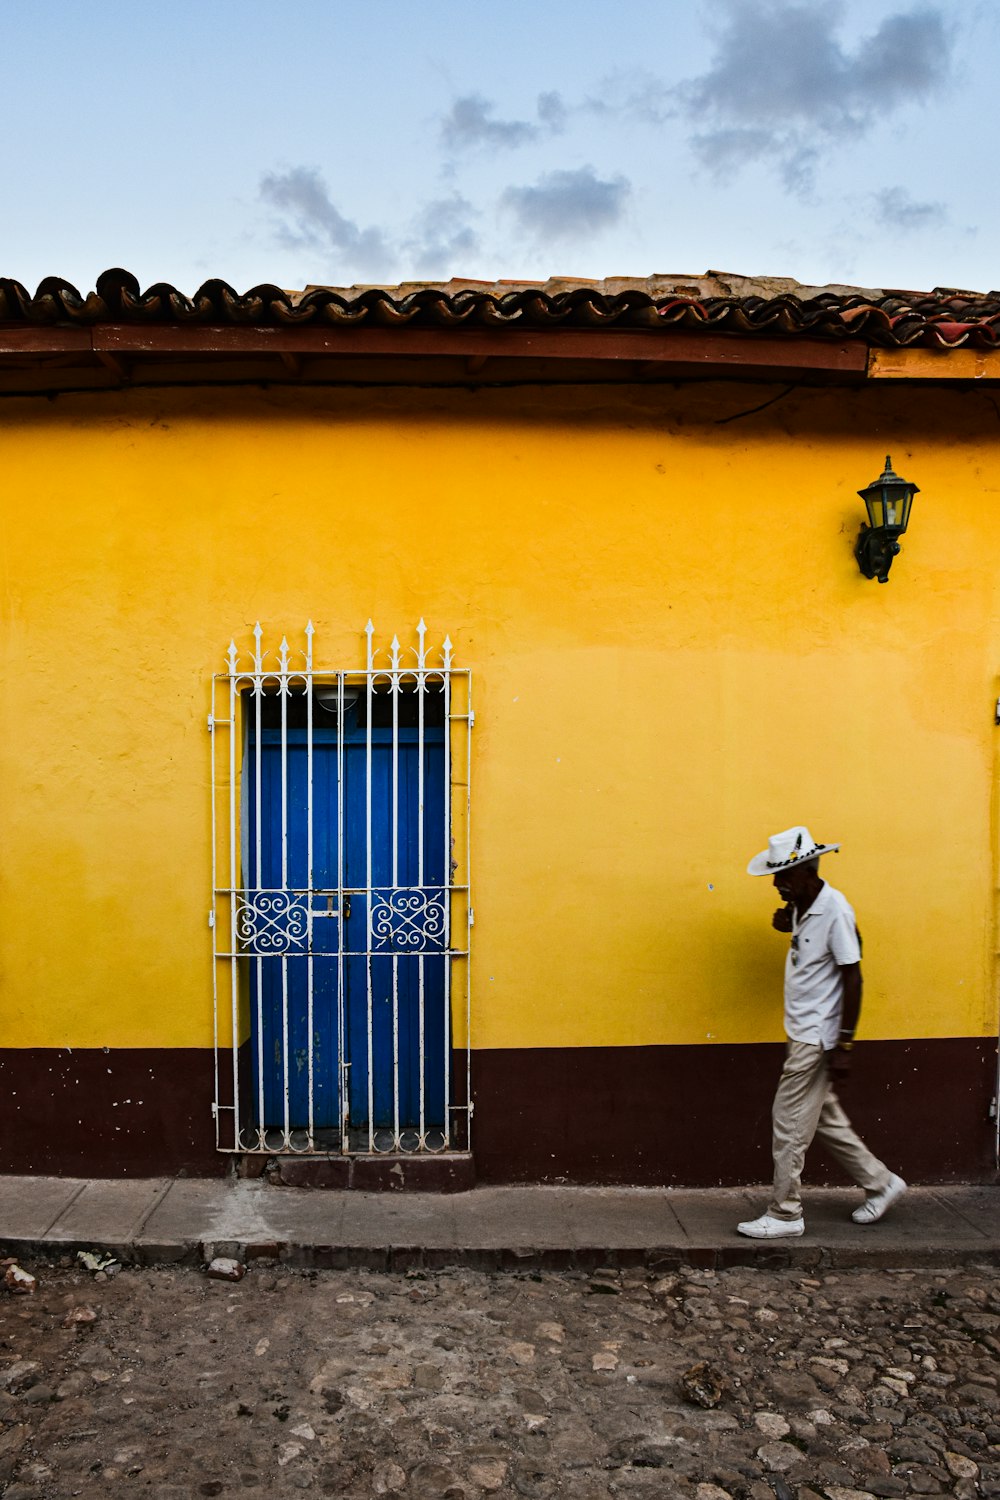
(343, 141)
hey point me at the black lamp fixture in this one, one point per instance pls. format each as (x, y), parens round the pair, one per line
(888, 502)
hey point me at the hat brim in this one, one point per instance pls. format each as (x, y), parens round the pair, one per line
(759, 864)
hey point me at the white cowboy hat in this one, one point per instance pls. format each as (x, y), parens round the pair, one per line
(786, 849)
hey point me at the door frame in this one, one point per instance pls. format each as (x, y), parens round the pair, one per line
(253, 923)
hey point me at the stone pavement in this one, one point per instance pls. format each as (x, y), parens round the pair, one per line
(189, 1220)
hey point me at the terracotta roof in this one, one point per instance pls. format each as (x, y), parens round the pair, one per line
(715, 303)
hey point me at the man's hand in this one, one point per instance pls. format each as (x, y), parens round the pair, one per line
(782, 919)
(839, 1064)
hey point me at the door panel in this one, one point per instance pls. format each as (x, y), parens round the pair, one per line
(375, 922)
(281, 983)
(395, 934)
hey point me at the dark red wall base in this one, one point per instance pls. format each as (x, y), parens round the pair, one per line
(652, 1116)
(138, 1112)
(701, 1116)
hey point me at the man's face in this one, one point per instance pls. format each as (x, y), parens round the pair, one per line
(792, 882)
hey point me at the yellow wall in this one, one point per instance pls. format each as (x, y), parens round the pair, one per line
(674, 656)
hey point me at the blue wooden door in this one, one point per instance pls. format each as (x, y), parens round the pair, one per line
(395, 934)
(297, 981)
(355, 987)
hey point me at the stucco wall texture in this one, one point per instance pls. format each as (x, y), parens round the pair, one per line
(674, 655)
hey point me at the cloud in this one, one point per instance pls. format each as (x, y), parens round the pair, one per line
(565, 204)
(782, 84)
(470, 123)
(438, 241)
(636, 95)
(909, 57)
(552, 112)
(897, 210)
(441, 237)
(309, 219)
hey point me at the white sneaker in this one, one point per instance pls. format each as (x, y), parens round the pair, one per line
(769, 1228)
(875, 1206)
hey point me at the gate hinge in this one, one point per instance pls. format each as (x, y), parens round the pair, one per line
(211, 919)
(996, 712)
(993, 1107)
(472, 717)
(472, 917)
(211, 723)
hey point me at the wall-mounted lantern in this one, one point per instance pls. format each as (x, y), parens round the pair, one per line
(888, 502)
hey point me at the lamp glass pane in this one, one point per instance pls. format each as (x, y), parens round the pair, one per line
(875, 502)
(905, 508)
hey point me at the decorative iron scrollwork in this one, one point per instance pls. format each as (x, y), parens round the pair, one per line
(408, 919)
(269, 922)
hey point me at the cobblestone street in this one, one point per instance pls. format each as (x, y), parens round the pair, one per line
(463, 1384)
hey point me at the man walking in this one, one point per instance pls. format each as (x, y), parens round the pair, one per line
(822, 1006)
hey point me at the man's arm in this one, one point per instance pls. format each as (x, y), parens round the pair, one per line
(850, 1012)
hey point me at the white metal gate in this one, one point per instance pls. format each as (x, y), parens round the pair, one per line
(341, 910)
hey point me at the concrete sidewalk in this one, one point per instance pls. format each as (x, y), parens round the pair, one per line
(151, 1221)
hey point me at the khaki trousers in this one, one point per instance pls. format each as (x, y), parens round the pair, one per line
(806, 1108)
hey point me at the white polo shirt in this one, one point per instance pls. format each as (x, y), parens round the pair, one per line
(825, 938)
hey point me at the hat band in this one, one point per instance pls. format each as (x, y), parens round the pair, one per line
(793, 859)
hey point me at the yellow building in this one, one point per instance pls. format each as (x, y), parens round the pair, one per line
(397, 682)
